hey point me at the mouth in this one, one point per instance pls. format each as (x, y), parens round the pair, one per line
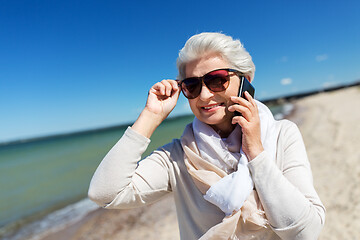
(212, 106)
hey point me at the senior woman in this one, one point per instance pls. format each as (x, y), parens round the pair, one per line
(243, 176)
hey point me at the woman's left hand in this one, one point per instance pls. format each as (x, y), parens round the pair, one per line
(250, 124)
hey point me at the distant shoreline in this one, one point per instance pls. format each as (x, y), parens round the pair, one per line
(296, 96)
(270, 101)
(80, 132)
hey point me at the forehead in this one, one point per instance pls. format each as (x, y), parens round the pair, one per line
(203, 65)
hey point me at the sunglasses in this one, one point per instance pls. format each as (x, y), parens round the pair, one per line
(216, 81)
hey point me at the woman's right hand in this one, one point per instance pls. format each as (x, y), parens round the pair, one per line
(162, 98)
(161, 101)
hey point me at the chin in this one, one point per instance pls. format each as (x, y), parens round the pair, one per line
(214, 119)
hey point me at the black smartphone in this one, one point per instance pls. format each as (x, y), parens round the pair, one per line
(245, 85)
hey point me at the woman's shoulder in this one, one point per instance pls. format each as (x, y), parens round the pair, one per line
(288, 131)
(174, 149)
(287, 126)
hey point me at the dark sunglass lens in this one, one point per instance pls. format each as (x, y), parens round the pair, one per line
(217, 84)
(217, 81)
(191, 87)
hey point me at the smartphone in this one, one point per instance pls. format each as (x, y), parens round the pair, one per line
(245, 85)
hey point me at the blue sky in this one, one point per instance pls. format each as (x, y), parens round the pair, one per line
(75, 65)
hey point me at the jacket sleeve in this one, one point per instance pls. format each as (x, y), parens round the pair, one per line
(291, 204)
(121, 181)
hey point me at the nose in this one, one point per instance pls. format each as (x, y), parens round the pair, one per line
(205, 93)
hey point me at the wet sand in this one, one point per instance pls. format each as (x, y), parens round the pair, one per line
(329, 123)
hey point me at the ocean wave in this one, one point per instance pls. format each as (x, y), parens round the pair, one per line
(54, 221)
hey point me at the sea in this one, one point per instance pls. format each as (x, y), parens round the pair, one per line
(44, 181)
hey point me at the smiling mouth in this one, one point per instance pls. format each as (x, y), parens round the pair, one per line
(212, 106)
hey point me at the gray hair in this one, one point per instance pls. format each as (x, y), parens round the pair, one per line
(216, 43)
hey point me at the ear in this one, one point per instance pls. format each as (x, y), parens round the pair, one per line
(248, 78)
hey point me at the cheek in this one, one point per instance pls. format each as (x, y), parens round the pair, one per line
(233, 88)
(192, 105)
(231, 91)
(226, 96)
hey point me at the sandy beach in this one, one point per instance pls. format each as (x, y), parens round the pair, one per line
(329, 123)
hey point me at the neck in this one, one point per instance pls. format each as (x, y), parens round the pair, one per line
(223, 131)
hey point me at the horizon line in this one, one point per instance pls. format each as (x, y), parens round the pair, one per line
(274, 100)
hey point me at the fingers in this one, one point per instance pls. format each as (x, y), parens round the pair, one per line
(248, 102)
(247, 108)
(239, 120)
(165, 88)
(250, 99)
(245, 112)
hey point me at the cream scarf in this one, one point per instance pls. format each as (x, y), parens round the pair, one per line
(209, 159)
